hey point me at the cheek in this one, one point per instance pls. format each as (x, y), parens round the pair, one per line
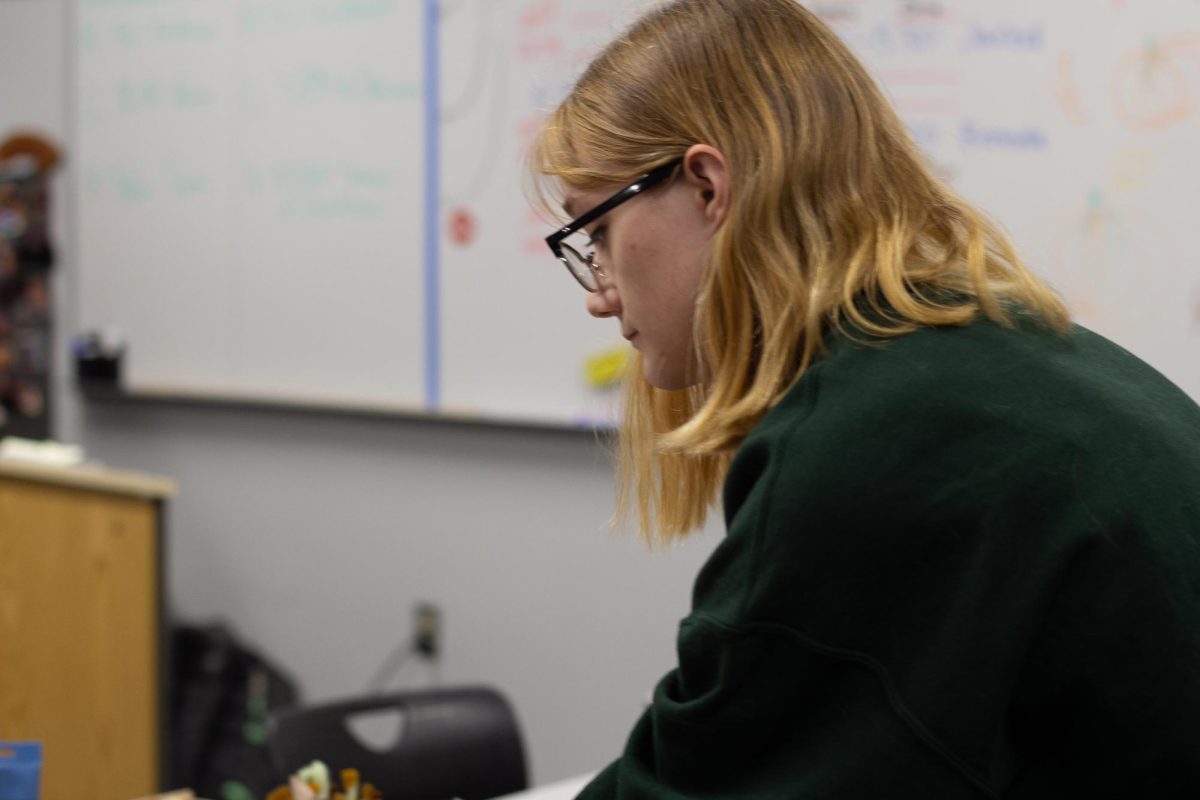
(641, 257)
(650, 269)
(639, 276)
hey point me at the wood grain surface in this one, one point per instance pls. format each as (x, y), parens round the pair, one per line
(79, 637)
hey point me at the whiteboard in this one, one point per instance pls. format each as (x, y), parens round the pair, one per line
(320, 202)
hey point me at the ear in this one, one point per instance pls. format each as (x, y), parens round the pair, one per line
(706, 170)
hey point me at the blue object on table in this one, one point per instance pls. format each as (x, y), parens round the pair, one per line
(20, 770)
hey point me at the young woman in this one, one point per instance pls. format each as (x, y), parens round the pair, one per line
(963, 535)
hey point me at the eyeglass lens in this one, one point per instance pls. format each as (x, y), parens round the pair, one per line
(578, 252)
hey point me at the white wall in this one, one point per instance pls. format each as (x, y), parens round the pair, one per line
(315, 536)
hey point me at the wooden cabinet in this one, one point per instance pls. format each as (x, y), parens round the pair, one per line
(82, 636)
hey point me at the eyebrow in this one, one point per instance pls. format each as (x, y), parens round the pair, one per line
(567, 208)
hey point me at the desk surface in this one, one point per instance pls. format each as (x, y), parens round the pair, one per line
(561, 790)
(91, 478)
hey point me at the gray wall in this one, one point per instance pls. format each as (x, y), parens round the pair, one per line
(315, 535)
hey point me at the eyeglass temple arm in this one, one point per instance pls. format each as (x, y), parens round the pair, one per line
(646, 181)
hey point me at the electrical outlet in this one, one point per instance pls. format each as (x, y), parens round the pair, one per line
(427, 630)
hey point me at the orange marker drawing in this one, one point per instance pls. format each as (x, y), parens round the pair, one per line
(1150, 92)
(1067, 92)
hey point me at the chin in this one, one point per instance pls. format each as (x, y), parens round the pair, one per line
(668, 373)
(666, 380)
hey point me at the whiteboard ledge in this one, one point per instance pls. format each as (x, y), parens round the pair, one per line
(334, 406)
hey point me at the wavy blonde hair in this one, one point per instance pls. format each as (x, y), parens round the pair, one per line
(834, 222)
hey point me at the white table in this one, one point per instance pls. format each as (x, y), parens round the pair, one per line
(560, 790)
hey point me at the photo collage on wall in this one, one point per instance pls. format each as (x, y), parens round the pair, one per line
(26, 256)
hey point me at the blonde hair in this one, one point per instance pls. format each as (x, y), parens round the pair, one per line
(834, 223)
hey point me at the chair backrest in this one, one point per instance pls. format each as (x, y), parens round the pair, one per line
(454, 742)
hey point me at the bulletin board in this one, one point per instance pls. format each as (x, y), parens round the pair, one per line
(320, 202)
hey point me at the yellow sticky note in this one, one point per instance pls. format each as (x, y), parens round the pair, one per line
(606, 368)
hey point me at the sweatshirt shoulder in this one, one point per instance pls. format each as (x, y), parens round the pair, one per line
(982, 401)
(1074, 383)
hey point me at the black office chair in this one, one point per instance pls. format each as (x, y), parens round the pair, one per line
(454, 742)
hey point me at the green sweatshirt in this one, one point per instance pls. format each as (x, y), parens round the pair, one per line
(962, 563)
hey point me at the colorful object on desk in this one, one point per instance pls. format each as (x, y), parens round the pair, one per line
(47, 453)
(606, 368)
(236, 790)
(313, 783)
(20, 770)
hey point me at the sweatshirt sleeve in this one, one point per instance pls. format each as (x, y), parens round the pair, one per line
(1108, 699)
(603, 786)
(761, 706)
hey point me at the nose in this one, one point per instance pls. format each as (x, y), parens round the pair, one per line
(605, 302)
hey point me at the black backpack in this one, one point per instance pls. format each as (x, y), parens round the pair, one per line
(220, 695)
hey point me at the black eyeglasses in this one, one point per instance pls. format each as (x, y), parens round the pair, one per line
(584, 268)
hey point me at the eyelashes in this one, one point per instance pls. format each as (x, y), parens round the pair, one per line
(596, 237)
